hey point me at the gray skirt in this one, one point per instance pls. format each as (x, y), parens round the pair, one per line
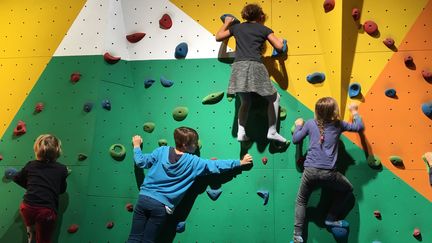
(250, 76)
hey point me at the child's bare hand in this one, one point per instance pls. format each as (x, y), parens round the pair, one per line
(137, 140)
(228, 20)
(353, 108)
(247, 159)
(299, 122)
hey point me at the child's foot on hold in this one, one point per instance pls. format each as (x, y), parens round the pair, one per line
(338, 223)
(297, 239)
(241, 137)
(276, 136)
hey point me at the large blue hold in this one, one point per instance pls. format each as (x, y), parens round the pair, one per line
(316, 78)
(181, 50)
(181, 226)
(214, 193)
(354, 90)
(339, 233)
(235, 21)
(427, 109)
(10, 173)
(265, 195)
(280, 53)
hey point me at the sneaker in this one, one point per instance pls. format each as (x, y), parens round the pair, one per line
(338, 223)
(297, 239)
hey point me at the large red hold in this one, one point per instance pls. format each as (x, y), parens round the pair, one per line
(165, 22)
(20, 129)
(135, 37)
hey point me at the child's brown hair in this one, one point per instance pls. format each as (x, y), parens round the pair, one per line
(253, 12)
(184, 137)
(47, 148)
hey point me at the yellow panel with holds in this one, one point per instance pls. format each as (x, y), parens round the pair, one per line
(31, 32)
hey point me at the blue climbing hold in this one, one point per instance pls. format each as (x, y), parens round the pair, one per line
(181, 50)
(236, 21)
(265, 195)
(181, 226)
(390, 93)
(316, 78)
(148, 83)
(279, 53)
(106, 104)
(354, 90)
(427, 109)
(213, 193)
(10, 173)
(165, 82)
(88, 106)
(339, 233)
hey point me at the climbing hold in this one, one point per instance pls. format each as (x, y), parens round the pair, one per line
(214, 193)
(328, 5)
(165, 22)
(135, 37)
(111, 59)
(165, 82)
(354, 90)
(339, 233)
(427, 109)
(370, 27)
(409, 61)
(20, 129)
(129, 207)
(235, 21)
(389, 42)
(1, 157)
(377, 214)
(293, 127)
(149, 127)
(82, 157)
(148, 83)
(390, 93)
(416, 233)
(181, 50)
(88, 107)
(10, 173)
(162, 142)
(75, 77)
(315, 78)
(282, 113)
(213, 158)
(373, 161)
(396, 160)
(355, 13)
(117, 151)
(282, 52)
(264, 195)
(181, 226)
(264, 160)
(427, 75)
(180, 113)
(69, 170)
(106, 104)
(213, 98)
(73, 228)
(39, 107)
(110, 224)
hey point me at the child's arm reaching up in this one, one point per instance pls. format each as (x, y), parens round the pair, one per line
(300, 131)
(224, 32)
(357, 124)
(142, 160)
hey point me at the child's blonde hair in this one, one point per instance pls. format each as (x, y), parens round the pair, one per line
(47, 148)
(326, 111)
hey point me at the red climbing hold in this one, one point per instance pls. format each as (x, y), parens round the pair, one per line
(370, 27)
(20, 129)
(328, 5)
(416, 232)
(111, 59)
(135, 37)
(355, 13)
(75, 77)
(129, 207)
(165, 22)
(39, 107)
(110, 225)
(264, 160)
(377, 214)
(427, 75)
(73, 228)
(389, 42)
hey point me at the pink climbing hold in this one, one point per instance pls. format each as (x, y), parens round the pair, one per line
(377, 214)
(328, 5)
(110, 225)
(355, 13)
(370, 27)
(165, 22)
(416, 232)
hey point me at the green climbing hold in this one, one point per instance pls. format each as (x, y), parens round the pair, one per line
(180, 113)
(82, 157)
(213, 98)
(230, 97)
(282, 113)
(117, 151)
(396, 160)
(293, 128)
(69, 170)
(162, 142)
(373, 161)
(149, 127)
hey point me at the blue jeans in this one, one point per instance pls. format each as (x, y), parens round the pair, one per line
(314, 177)
(148, 219)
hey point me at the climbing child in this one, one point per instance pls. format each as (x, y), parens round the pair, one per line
(320, 164)
(44, 179)
(427, 158)
(172, 171)
(249, 75)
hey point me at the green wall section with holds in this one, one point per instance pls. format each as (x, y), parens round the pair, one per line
(99, 187)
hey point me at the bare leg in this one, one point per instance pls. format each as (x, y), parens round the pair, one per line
(245, 102)
(273, 115)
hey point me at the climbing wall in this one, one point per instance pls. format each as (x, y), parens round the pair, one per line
(72, 37)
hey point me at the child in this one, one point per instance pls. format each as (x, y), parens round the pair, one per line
(248, 71)
(44, 179)
(172, 172)
(319, 167)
